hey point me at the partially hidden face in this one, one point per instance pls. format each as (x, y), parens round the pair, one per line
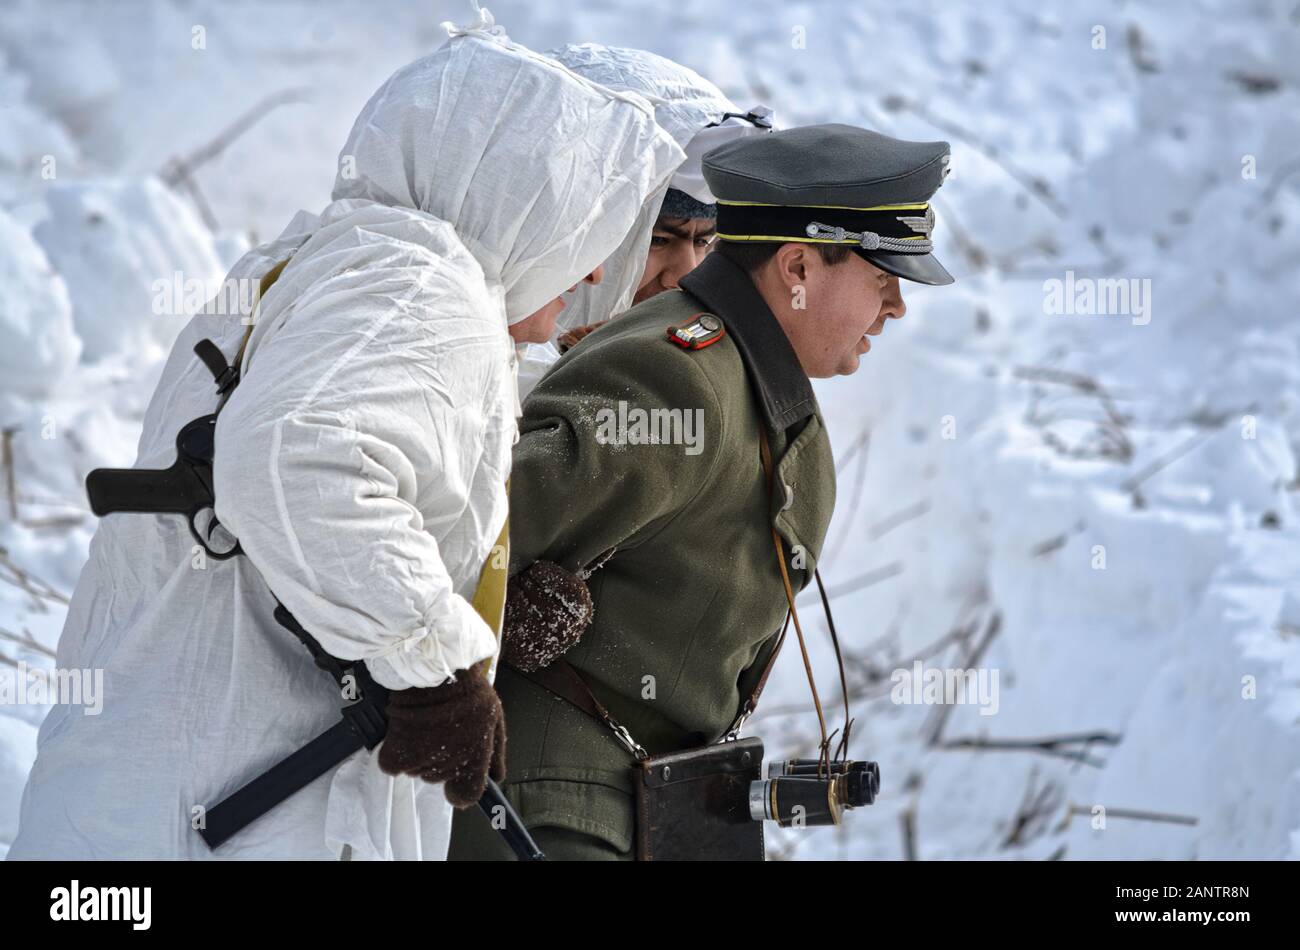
(539, 326)
(677, 245)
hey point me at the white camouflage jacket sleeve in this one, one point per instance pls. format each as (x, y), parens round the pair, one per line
(349, 507)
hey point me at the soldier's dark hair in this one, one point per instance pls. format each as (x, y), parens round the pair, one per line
(750, 256)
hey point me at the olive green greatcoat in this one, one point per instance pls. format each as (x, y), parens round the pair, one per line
(689, 605)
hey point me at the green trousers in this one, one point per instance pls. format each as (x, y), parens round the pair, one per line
(474, 839)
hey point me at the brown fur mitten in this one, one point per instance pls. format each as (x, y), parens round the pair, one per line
(454, 733)
(547, 610)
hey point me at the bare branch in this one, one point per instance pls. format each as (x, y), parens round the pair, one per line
(1137, 50)
(7, 463)
(1054, 543)
(862, 442)
(1131, 813)
(857, 583)
(890, 522)
(1085, 384)
(908, 822)
(178, 168)
(1036, 807)
(1212, 425)
(1058, 746)
(939, 717)
(178, 173)
(13, 574)
(28, 642)
(875, 675)
(1284, 171)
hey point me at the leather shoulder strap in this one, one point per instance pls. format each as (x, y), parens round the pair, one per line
(562, 680)
(765, 450)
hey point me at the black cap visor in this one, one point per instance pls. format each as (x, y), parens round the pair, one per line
(921, 268)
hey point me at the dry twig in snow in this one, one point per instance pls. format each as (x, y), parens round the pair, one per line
(27, 642)
(11, 573)
(179, 172)
(1059, 746)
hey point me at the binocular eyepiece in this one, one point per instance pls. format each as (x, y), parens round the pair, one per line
(797, 793)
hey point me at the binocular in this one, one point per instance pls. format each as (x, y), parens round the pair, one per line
(797, 792)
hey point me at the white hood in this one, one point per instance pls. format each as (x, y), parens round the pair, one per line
(684, 104)
(538, 193)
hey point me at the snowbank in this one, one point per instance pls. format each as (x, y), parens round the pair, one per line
(38, 345)
(122, 246)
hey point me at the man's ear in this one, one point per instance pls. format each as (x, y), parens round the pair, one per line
(791, 264)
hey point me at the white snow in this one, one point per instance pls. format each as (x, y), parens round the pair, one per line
(120, 246)
(41, 346)
(1118, 489)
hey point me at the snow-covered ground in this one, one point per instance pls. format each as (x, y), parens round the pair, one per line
(1098, 509)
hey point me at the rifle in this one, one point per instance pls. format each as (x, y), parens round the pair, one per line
(364, 724)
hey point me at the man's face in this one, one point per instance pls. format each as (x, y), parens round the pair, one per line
(677, 245)
(845, 305)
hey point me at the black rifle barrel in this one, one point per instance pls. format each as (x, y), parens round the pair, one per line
(301, 768)
(289, 775)
(362, 726)
(495, 805)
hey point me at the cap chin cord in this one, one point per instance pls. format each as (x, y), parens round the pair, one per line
(870, 240)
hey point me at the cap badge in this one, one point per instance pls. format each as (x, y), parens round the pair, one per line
(921, 224)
